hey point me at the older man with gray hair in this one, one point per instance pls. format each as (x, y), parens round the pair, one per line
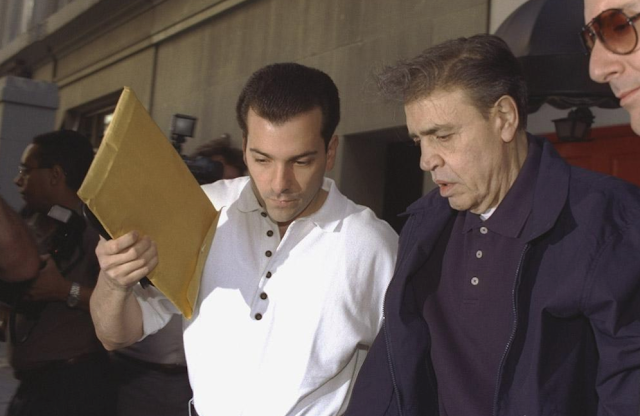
(517, 288)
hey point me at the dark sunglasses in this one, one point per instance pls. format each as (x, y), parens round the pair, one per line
(614, 29)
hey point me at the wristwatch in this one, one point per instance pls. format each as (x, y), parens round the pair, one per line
(74, 295)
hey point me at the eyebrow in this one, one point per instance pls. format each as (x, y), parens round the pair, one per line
(431, 131)
(295, 157)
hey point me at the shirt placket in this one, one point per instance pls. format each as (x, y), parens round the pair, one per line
(475, 252)
(268, 246)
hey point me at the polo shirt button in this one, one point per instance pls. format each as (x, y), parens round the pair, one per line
(258, 316)
(264, 214)
(268, 275)
(484, 230)
(263, 296)
(269, 233)
(475, 281)
(268, 253)
(479, 254)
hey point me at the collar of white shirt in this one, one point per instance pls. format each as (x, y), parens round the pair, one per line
(328, 217)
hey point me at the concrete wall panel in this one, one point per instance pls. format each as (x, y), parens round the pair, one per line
(135, 72)
(202, 71)
(130, 25)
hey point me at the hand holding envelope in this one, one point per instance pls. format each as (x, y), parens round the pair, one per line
(138, 182)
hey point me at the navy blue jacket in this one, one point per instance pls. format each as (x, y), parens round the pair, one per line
(574, 349)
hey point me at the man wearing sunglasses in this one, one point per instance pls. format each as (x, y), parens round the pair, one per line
(611, 36)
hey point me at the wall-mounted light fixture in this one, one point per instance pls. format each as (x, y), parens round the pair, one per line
(576, 127)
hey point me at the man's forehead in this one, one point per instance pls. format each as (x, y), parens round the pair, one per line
(592, 8)
(439, 108)
(29, 155)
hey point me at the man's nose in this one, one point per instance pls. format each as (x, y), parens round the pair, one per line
(282, 178)
(604, 65)
(18, 180)
(429, 159)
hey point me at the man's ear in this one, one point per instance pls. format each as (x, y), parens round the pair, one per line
(57, 175)
(332, 150)
(507, 117)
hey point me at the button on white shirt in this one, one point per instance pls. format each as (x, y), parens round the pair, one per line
(283, 333)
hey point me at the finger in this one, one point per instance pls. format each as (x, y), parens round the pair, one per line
(46, 263)
(128, 274)
(117, 245)
(129, 254)
(150, 256)
(140, 261)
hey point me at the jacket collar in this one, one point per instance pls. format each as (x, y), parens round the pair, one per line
(549, 197)
(551, 192)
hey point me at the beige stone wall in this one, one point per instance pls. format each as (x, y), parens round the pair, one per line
(193, 57)
(203, 71)
(200, 70)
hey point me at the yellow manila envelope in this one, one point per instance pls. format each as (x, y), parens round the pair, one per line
(139, 182)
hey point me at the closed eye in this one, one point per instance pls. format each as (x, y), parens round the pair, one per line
(443, 137)
(302, 162)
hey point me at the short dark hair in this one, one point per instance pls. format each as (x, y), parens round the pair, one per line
(222, 147)
(482, 65)
(281, 91)
(68, 149)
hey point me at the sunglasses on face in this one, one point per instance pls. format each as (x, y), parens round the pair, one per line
(614, 29)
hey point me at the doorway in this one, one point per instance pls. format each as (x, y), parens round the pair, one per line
(381, 171)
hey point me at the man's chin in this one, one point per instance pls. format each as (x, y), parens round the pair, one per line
(30, 207)
(282, 216)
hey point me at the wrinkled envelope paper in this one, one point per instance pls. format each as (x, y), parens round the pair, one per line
(139, 182)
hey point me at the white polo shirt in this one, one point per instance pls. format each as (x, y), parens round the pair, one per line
(282, 326)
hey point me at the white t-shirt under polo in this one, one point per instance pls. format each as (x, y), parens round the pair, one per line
(282, 326)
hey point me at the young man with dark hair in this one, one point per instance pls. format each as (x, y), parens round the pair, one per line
(517, 285)
(61, 365)
(291, 293)
(611, 36)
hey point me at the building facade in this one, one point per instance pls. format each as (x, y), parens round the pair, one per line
(193, 56)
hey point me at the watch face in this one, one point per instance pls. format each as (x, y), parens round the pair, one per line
(74, 295)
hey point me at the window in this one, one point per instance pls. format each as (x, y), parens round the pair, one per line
(95, 124)
(93, 118)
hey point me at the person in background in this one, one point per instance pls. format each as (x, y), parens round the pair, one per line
(18, 252)
(62, 367)
(220, 150)
(517, 288)
(291, 292)
(611, 36)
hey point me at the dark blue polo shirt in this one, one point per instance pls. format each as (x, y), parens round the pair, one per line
(470, 313)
